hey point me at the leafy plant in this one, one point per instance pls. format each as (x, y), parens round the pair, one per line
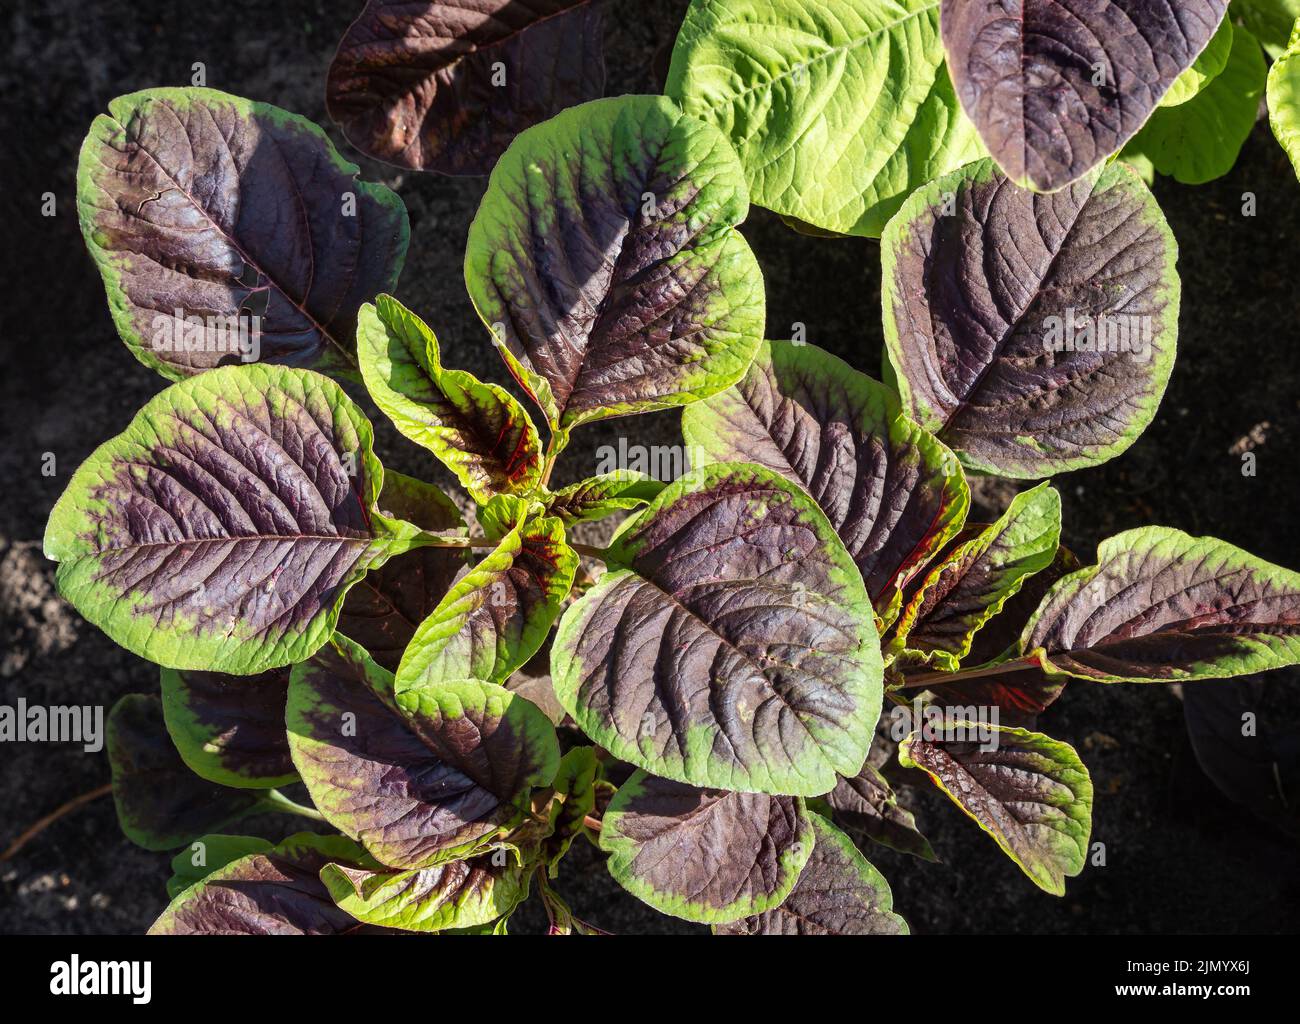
(719, 667)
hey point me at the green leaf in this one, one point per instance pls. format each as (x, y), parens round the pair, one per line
(575, 798)
(838, 893)
(1161, 606)
(1270, 21)
(1199, 139)
(1284, 99)
(223, 528)
(160, 803)
(230, 729)
(1208, 66)
(228, 230)
(704, 855)
(605, 261)
(867, 806)
(838, 109)
(977, 577)
(1031, 793)
(605, 495)
(731, 644)
(478, 431)
(208, 854)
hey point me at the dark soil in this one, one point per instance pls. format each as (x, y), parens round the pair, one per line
(1179, 856)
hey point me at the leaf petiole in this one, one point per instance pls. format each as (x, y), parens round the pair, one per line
(939, 678)
(274, 800)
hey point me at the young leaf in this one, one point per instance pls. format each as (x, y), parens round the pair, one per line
(605, 260)
(977, 577)
(444, 85)
(838, 893)
(230, 729)
(228, 230)
(1284, 99)
(1198, 140)
(222, 529)
(575, 798)
(1032, 333)
(271, 892)
(462, 894)
(384, 609)
(731, 643)
(1020, 695)
(704, 855)
(1160, 606)
(837, 109)
(894, 494)
(1056, 86)
(1207, 67)
(479, 431)
(208, 854)
(866, 805)
(1031, 793)
(998, 639)
(161, 804)
(599, 496)
(423, 783)
(496, 616)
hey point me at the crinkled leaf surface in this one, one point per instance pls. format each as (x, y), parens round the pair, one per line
(445, 85)
(230, 729)
(994, 302)
(599, 496)
(221, 530)
(1031, 793)
(384, 609)
(838, 893)
(838, 108)
(1160, 606)
(705, 855)
(867, 805)
(274, 892)
(199, 204)
(161, 804)
(498, 614)
(730, 645)
(1284, 99)
(1208, 66)
(977, 577)
(208, 854)
(1056, 86)
(606, 262)
(479, 431)
(894, 494)
(1198, 140)
(419, 783)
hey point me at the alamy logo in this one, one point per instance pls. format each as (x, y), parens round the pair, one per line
(60, 724)
(132, 978)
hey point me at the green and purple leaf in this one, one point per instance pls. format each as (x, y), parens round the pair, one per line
(866, 805)
(208, 854)
(575, 798)
(1031, 793)
(894, 494)
(838, 893)
(1032, 333)
(204, 210)
(272, 892)
(1057, 86)
(420, 780)
(1161, 606)
(704, 855)
(731, 644)
(222, 529)
(230, 729)
(160, 803)
(479, 431)
(444, 85)
(605, 261)
(623, 490)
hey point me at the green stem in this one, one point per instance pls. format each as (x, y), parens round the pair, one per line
(939, 678)
(274, 800)
(482, 542)
(554, 446)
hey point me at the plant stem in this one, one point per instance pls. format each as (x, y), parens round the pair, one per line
(554, 445)
(483, 542)
(274, 800)
(31, 832)
(939, 678)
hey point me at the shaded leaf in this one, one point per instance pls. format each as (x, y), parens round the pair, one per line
(575, 798)
(1270, 21)
(704, 854)
(867, 805)
(605, 260)
(599, 496)
(1032, 333)
(999, 638)
(195, 203)
(445, 85)
(1020, 694)
(894, 494)
(1161, 606)
(838, 893)
(730, 644)
(837, 109)
(1056, 86)
(208, 854)
(479, 431)
(1207, 67)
